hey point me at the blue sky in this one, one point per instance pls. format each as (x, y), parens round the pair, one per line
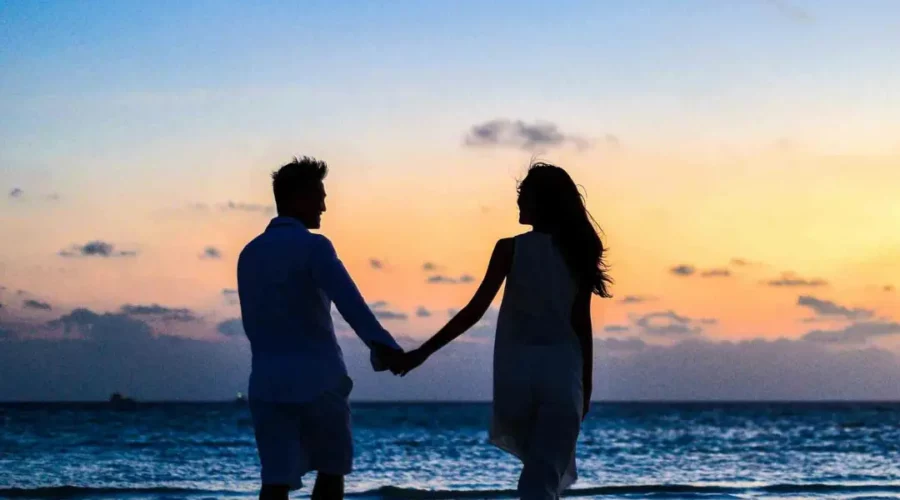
(758, 130)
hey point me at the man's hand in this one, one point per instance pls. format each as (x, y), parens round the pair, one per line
(389, 356)
(411, 360)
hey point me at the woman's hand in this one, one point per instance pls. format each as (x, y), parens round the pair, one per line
(411, 360)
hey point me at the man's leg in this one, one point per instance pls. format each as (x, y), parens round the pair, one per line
(328, 487)
(274, 492)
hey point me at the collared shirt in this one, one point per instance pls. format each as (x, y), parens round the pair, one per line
(287, 280)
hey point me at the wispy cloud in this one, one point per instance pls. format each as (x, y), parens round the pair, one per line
(790, 279)
(740, 262)
(828, 308)
(857, 333)
(233, 327)
(157, 311)
(231, 295)
(36, 304)
(376, 264)
(233, 206)
(791, 11)
(96, 248)
(210, 253)
(637, 299)
(615, 328)
(430, 267)
(683, 270)
(613, 344)
(504, 132)
(667, 323)
(715, 273)
(379, 309)
(423, 312)
(16, 193)
(449, 280)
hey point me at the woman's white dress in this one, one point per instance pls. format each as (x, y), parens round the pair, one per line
(537, 409)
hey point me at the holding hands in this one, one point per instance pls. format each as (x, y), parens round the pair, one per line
(399, 362)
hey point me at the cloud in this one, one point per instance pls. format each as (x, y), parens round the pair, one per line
(36, 304)
(429, 267)
(888, 288)
(636, 299)
(378, 309)
(518, 134)
(829, 308)
(156, 311)
(211, 253)
(739, 262)
(683, 270)
(857, 333)
(615, 328)
(376, 264)
(449, 280)
(791, 11)
(631, 344)
(715, 273)
(116, 352)
(708, 321)
(690, 370)
(16, 193)
(53, 197)
(612, 141)
(233, 327)
(791, 280)
(231, 295)
(422, 312)
(237, 206)
(667, 323)
(96, 248)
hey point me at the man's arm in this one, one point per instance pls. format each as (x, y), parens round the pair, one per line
(330, 275)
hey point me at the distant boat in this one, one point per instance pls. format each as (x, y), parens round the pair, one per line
(118, 401)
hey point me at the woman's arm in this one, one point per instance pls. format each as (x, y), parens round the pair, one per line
(498, 269)
(581, 323)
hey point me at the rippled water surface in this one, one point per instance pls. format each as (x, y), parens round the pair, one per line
(178, 450)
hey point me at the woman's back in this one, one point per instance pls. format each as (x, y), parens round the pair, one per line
(539, 293)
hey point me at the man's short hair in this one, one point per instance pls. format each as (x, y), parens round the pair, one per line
(300, 176)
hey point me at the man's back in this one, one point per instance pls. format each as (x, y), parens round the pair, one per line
(286, 314)
(287, 280)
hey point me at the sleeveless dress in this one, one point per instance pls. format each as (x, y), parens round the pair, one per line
(538, 403)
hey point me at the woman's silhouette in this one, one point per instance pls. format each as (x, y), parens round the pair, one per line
(543, 350)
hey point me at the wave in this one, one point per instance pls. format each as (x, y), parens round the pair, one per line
(69, 491)
(647, 490)
(393, 492)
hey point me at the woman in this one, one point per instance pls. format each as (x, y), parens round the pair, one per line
(543, 350)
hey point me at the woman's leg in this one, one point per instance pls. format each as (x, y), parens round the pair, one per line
(550, 451)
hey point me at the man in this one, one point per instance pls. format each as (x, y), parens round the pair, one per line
(287, 279)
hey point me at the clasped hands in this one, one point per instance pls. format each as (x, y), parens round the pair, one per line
(398, 361)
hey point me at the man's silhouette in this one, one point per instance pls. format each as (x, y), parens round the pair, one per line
(287, 280)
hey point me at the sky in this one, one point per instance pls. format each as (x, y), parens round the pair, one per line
(740, 156)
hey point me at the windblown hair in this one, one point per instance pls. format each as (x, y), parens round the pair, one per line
(299, 176)
(553, 201)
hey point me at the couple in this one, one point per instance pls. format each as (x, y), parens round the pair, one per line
(288, 278)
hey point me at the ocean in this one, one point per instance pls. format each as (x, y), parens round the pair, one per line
(440, 450)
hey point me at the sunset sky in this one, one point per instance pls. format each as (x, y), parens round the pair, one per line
(741, 157)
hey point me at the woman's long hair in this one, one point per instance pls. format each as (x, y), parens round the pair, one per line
(550, 201)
